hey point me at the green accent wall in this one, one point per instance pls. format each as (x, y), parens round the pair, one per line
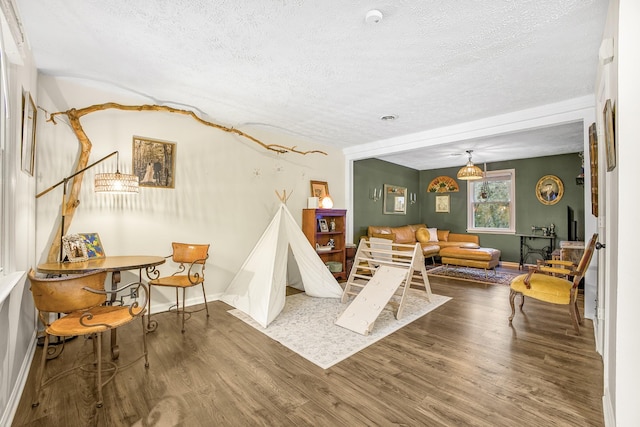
(529, 211)
(372, 173)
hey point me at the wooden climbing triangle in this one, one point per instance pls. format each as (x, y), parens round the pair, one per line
(382, 273)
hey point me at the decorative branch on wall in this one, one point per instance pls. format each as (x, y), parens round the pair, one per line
(74, 115)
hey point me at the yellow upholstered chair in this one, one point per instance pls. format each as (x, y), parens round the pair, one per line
(543, 283)
(191, 259)
(81, 299)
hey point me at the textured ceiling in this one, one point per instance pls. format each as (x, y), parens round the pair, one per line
(318, 70)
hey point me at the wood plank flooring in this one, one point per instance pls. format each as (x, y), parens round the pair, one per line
(460, 365)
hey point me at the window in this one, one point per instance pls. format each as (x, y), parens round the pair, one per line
(491, 204)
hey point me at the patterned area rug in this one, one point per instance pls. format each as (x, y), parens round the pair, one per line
(474, 274)
(306, 326)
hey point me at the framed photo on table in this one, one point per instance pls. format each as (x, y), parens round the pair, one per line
(74, 248)
(93, 244)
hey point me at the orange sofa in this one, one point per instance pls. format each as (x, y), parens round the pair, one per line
(411, 234)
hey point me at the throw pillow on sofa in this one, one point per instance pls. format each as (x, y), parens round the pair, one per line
(423, 235)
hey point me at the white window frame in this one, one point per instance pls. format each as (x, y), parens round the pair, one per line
(4, 178)
(493, 175)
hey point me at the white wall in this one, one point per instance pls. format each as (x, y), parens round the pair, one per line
(621, 292)
(224, 184)
(627, 338)
(17, 315)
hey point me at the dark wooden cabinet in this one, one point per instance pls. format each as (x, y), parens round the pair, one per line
(311, 219)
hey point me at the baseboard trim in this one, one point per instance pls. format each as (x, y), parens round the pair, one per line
(607, 409)
(509, 264)
(21, 381)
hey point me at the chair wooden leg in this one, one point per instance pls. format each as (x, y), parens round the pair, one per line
(573, 311)
(99, 369)
(512, 297)
(39, 377)
(575, 303)
(204, 295)
(522, 302)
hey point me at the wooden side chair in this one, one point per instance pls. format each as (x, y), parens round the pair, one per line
(191, 259)
(81, 298)
(543, 283)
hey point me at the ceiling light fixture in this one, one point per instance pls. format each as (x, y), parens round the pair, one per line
(470, 171)
(374, 16)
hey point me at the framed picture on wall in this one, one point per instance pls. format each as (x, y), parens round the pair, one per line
(319, 189)
(395, 200)
(593, 166)
(442, 203)
(609, 135)
(549, 190)
(154, 162)
(28, 148)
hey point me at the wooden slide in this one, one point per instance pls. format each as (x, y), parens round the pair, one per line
(381, 270)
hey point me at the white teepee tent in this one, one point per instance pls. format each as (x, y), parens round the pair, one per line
(259, 288)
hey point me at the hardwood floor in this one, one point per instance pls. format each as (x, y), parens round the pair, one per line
(460, 365)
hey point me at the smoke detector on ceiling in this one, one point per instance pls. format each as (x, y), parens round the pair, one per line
(374, 16)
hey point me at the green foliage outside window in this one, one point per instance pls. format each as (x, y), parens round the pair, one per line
(491, 200)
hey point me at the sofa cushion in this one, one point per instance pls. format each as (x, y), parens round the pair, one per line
(390, 236)
(443, 235)
(430, 249)
(480, 254)
(404, 234)
(450, 244)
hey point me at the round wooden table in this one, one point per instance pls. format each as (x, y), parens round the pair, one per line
(113, 264)
(107, 263)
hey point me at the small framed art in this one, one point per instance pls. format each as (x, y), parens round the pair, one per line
(93, 244)
(74, 248)
(323, 226)
(442, 203)
(319, 189)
